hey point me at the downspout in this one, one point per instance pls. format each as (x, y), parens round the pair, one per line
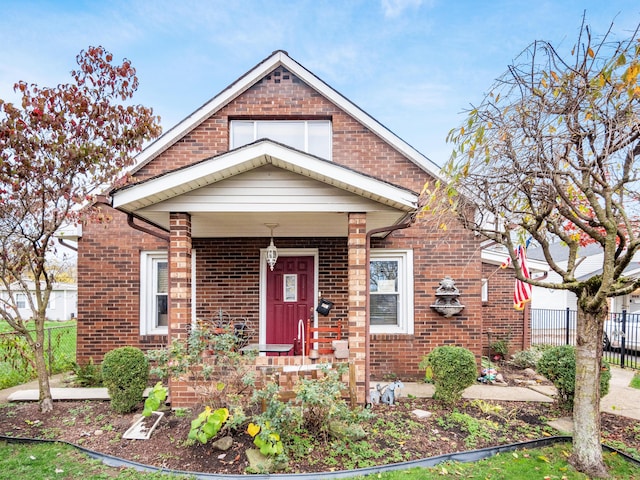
(61, 241)
(367, 324)
(102, 200)
(162, 236)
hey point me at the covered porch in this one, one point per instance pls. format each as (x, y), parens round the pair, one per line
(220, 214)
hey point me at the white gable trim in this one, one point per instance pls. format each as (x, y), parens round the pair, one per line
(249, 157)
(280, 58)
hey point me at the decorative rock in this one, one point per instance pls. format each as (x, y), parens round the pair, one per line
(421, 413)
(224, 443)
(529, 372)
(98, 432)
(258, 463)
(349, 432)
(499, 378)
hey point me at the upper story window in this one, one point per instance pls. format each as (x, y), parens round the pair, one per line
(311, 136)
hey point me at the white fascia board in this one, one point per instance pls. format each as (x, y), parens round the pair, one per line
(257, 73)
(208, 109)
(252, 156)
(336, 175)
(367, 120)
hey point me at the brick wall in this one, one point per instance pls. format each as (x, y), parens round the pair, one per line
(437, 254)
(108, 258)
(501, 320)
(108, 287)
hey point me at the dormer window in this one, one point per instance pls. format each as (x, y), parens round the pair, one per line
(311, 136)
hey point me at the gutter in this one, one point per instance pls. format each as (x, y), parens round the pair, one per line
(367, 325)
(162, 236)
(102, 200)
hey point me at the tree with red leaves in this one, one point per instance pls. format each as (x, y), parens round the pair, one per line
(553, 154)
(56, 150)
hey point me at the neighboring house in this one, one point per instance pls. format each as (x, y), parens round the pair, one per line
(63, 301)
(279, 156)
(590, 264)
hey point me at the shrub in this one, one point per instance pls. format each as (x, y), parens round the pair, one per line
(558, 364)
(125, 372)
(88, 374)
(454, 369)
(210, 359)
(526, 358)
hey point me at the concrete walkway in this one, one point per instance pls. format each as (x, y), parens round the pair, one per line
(621, 399)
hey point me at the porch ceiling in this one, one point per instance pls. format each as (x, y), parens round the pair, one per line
(236, 193)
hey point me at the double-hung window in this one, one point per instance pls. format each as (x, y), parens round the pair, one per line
(311, 136)
(21, 300)
(391, 291)
(154, 292)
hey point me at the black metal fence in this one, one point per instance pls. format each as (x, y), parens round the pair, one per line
(621, 333)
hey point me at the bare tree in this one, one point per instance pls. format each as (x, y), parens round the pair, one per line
(551, 154)
(56, 148)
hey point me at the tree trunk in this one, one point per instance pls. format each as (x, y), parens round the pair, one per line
(45, 398)
(587, 449)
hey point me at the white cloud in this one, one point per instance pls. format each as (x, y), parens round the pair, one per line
(395, 8)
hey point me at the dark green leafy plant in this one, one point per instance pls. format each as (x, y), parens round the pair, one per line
(323, 408)
(500, 347)
(454, 369)
(88, 374)
(558, 364)
(125, 372)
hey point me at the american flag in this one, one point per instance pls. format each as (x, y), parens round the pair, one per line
(522, 290)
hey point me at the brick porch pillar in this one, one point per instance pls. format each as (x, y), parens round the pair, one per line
(180, 296)
(356, 242)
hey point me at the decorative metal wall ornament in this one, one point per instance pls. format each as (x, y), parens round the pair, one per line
(272, 251)
(447, 298)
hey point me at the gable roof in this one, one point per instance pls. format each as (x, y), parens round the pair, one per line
(319, 193)
(275, 60)
(262, 152)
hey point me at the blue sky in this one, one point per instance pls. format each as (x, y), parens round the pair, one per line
(414, 65)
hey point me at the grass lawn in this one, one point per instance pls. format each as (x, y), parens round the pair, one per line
(53, 460)
(60, 338)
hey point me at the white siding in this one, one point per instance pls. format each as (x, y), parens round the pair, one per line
(268, 189)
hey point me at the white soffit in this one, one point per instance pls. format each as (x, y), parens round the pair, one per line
(264, 152)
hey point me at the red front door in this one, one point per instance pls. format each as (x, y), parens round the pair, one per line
(290, 297)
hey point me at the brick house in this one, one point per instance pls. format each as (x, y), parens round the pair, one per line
(280, 156)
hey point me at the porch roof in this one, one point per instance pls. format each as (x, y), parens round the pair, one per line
(237, 192)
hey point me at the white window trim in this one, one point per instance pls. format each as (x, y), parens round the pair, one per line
(405, 324)
(484, 295)
(21, 298)
(147, 321)
(306, 131)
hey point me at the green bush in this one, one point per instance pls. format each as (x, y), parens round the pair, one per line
(454, 369)
(526, 358)
(558, 364)
(125, 372)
